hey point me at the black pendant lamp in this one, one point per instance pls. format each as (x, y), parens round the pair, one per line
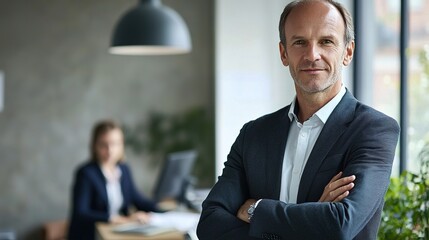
(150, 28)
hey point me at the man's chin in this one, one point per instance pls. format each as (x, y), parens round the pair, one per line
(314, 89)
(314, 86)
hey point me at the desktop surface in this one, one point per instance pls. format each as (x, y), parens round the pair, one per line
(185, 223)
(105, 232)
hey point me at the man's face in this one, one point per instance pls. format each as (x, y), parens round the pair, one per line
(315, 49)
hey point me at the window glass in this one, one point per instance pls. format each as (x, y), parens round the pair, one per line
(386, 79)
(386, 63)
(418, 51)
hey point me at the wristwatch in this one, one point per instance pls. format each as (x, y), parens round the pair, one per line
(251, 210)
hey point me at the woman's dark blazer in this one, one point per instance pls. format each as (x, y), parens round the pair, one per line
(90, 203)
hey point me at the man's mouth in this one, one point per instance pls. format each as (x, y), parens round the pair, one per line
(312, 70)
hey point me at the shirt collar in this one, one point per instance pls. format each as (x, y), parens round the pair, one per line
(323, 113)
(292, 110)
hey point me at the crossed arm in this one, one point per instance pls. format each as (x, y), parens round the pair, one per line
(336, 190)
(309, 220)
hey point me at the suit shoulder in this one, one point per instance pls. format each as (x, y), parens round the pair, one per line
(369, 119)
(270, 117)
(86, 168)
(370, 112)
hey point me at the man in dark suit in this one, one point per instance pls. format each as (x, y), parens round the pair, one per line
(281, 164)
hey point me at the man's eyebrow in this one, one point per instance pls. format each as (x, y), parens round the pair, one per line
(294, 37)
(299, 37)
(329, 36)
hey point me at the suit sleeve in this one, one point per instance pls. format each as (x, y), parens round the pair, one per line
(218, 219)
(369, 157)
(140, 201)
(82, 193)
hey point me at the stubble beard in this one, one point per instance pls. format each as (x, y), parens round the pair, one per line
(315, 87)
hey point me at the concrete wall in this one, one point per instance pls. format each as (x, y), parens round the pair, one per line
(59, 80)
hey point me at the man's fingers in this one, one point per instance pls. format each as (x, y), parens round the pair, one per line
(339, 192)
(338, 188)
(342, 196)
(340, 182)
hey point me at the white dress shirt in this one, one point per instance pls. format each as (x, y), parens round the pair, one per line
(114, 191)
(300, 142)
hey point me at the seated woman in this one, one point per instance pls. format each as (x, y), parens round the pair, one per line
(103, 189)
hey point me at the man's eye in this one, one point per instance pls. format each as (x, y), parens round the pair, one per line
(327, 42)
(299, 42)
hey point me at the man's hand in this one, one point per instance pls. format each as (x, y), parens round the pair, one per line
(242, 212)
(338, 188)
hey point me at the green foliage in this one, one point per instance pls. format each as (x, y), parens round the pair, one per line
(418, 114)
(406, 214)
(424, 61)
(163, 133)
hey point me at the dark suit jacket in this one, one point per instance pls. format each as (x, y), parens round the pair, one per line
(90, 203)
(356, 139)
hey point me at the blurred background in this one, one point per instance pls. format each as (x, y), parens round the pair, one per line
(57, 79)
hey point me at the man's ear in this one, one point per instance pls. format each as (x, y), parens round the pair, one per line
(283, 54)
(348, 55)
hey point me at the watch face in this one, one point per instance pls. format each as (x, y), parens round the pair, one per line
(251, 209)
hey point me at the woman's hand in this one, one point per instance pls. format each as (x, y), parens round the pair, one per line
(338, 188)
(141, 217)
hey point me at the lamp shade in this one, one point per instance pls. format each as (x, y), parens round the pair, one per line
(150, 28)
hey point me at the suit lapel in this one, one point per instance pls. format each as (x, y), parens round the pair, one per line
(100, 182)
(335, 126)
(124, 184)
(275, 165)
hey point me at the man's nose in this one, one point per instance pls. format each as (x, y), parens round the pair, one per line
(312, 52)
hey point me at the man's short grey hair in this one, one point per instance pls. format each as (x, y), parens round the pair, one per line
(349, 34)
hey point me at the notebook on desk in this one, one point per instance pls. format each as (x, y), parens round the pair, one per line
(144, 229)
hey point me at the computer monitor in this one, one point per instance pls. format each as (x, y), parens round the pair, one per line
(174, 178)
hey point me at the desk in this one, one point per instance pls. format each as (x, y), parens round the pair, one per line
(104, 232)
